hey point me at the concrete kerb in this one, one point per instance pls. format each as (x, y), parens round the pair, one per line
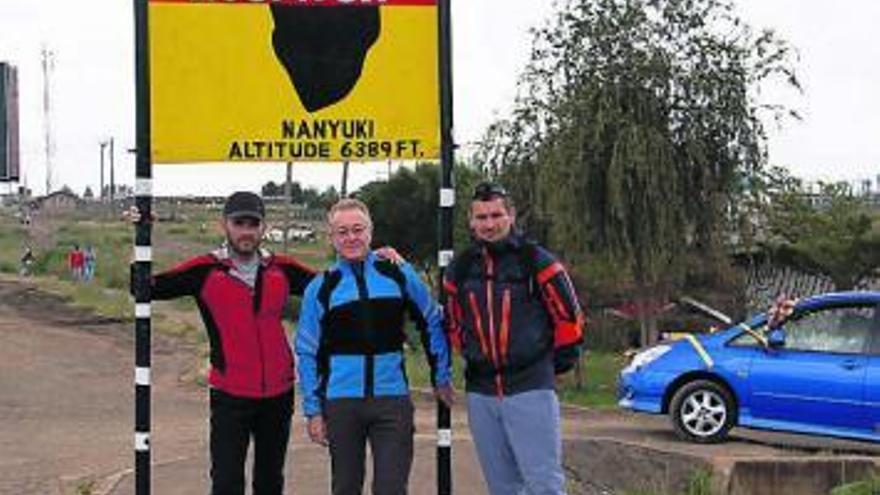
(625, 465)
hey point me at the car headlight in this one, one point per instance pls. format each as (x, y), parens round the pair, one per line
(646, 357)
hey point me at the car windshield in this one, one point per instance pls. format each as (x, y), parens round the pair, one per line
(843, 329)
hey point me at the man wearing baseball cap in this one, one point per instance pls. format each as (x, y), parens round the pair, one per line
(241, 291)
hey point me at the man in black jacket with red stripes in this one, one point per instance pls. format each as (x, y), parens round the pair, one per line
(513, 313)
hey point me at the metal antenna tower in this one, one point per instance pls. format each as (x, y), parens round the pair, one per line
(48, 62)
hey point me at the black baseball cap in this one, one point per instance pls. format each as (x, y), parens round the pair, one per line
(487, 191)
(244, 204)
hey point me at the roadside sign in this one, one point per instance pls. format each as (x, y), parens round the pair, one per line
(294, 80)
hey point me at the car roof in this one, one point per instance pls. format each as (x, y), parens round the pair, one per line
(817, 301)
(834, 298)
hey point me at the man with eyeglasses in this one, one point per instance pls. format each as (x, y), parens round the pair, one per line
(241, 291)
(514, 315)
(349, 344)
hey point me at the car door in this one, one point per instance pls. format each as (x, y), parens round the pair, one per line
(817, 377)
(872, 380)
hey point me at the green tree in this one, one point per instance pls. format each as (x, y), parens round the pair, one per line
(325, 199)
(272, 189)
(405, 210)
(830, 232)
(636, 124)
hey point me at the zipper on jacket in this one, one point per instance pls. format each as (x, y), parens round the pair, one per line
(369, 359)
(257, 293)
(490, 307)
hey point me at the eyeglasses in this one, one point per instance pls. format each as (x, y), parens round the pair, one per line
(486, 191)
(355, 230)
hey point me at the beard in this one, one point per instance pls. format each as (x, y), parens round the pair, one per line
(244, 247)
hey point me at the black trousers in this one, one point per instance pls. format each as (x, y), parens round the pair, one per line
(234, 420)
(387, 423)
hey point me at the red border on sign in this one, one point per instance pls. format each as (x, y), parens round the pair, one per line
(308, 3)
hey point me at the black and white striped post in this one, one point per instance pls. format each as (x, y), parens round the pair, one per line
(142, 252)
(447, 203)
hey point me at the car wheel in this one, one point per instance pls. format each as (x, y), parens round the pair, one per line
(702, 411)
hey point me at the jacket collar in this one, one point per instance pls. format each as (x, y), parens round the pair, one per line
(223, 256)
(344, 264)
(513, 242)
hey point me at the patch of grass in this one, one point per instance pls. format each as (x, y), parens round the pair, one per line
(100, 300)
(86, 487)
(12, 240)
(699, 483)
(418, 372)
(865, 487)
(600, 378)
(599, 388)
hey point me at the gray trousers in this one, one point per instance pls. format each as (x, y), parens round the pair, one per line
(387, 423)
(518, 442)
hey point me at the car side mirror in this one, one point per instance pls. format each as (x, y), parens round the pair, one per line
(776, 338)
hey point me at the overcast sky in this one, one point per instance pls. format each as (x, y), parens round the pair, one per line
(92, 88)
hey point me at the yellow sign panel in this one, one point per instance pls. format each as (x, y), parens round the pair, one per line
(294, 80)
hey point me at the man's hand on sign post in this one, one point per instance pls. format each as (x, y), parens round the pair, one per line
(317, 430)
(133, 215)
(445, 394)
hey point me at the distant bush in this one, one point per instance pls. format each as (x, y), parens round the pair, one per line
(867, 487)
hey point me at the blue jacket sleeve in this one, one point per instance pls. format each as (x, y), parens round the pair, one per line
(431, 326)
(306, 346)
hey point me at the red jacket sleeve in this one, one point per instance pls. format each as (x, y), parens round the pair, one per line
(561, 302)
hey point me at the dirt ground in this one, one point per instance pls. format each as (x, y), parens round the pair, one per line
(66, 416)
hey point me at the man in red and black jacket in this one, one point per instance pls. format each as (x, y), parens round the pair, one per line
(513, 313)
(241, 291)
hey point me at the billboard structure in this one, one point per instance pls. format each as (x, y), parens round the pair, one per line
(286, 80)
(9, 140)
(294, 80)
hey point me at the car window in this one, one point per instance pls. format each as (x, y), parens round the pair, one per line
(745, 339)
(841, 329)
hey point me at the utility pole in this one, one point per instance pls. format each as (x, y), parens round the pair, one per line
(112, 183)
(101, 191)
(343, 192)
(48, 63)
(288, 192)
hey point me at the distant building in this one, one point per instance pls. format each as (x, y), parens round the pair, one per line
(57, 202)
(867, 189)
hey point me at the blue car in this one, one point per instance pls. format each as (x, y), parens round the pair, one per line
(817, 373)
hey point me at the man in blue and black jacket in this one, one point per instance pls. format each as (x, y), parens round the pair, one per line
(349, 344)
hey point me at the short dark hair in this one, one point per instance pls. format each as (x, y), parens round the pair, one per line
(487, 191)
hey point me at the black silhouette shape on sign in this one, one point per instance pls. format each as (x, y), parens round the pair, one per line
(323, 49)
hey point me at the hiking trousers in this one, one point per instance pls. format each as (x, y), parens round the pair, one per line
(387, 424)
(518, 442)
(234, 421)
